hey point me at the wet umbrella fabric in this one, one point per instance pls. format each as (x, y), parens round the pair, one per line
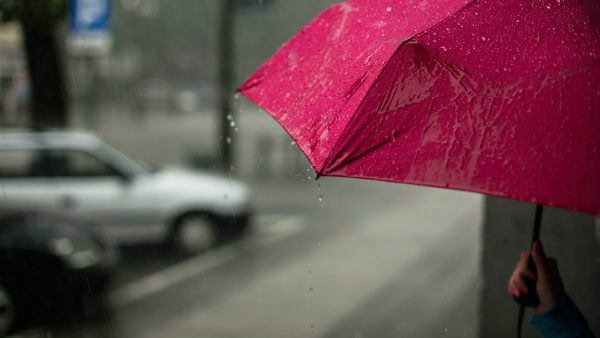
(497, 97)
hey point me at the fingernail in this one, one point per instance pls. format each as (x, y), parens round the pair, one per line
(515, 293)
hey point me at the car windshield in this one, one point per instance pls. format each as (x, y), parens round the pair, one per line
(122, 161)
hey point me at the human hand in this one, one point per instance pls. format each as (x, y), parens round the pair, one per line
(546, 278)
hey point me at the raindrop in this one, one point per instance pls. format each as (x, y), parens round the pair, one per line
(483, 38)
(319, 194)
(232, 124)
(389, 9)
(228, 140)
(229, 117)
(312, 325)
(236, 129)
(444, 49)
(310, 289)
(446, 329)
(309, 272)
(225, 196)
(236, 96)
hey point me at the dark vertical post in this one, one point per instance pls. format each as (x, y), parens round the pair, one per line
(226, 59)
(48, 90)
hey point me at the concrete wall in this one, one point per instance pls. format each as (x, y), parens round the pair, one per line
(570, 237)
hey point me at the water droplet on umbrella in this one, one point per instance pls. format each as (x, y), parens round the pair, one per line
(229, 117)
(228, 140)
(310, 289)
(232, 124)
(389, 9)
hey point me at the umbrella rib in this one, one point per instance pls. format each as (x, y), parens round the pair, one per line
(351, 159)
(338, 144)
(335, 149)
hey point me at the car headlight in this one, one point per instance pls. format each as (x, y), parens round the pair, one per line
(76, 255)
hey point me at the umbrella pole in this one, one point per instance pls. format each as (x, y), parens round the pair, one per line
(537, 223)
(535, 236)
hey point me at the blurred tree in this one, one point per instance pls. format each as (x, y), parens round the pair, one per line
(39, 21)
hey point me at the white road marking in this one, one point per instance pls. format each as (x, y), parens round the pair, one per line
(162, 279)
(277, 231)
(174, 274)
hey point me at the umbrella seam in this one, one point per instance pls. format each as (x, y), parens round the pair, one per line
(446, 19)
(337, 143)
(331, 155)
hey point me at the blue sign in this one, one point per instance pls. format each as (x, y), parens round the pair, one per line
(88, 16)
(89, 22)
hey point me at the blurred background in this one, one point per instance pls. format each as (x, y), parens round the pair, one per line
(144, 197)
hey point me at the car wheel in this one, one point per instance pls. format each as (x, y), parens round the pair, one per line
(194, 233)
(7, 312)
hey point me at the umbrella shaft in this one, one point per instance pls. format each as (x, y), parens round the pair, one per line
(537, 223)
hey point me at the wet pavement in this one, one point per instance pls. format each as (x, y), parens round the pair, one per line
(371, 260)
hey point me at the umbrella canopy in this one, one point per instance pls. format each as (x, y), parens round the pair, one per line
(497, 97)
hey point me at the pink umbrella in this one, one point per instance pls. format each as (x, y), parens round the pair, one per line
(497, 97)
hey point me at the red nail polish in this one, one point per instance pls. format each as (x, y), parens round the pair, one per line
(516, 293)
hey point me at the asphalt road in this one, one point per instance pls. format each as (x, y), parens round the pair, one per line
(370, 260)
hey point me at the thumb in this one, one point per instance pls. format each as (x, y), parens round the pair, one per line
(539, 258)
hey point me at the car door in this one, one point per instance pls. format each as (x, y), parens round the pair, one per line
(79, 182)
(89, 185)
(22, 180)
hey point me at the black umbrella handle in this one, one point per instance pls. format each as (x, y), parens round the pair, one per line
(531, 299)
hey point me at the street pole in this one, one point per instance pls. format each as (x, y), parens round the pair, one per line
(226, 59)
(49, 92)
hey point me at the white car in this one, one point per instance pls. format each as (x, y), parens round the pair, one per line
(79, 172)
